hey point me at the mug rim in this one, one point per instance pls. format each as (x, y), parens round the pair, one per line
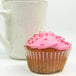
(34, 1)
(27, 2)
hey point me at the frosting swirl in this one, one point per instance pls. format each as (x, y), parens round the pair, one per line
(44, 40)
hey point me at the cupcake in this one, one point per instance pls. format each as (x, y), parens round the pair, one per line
(47, 52)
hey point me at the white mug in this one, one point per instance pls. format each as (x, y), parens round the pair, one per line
(24, 0)
(23, 19)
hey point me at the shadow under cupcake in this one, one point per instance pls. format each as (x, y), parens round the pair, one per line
(47, 53)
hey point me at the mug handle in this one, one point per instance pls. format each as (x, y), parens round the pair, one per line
(3, 40)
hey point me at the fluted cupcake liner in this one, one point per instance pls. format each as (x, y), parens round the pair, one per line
(47, 61)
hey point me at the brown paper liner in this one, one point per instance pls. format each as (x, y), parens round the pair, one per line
(46, 60)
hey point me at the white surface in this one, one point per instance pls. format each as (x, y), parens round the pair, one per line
(10, 67)
(61, 19)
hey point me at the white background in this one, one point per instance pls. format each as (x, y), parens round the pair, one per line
(61, 19)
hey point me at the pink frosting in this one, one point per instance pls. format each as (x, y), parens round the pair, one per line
(44, 40)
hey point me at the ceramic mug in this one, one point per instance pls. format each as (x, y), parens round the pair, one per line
(24, 0)
(23, 19)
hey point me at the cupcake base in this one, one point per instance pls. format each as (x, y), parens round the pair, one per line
(46, 61)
